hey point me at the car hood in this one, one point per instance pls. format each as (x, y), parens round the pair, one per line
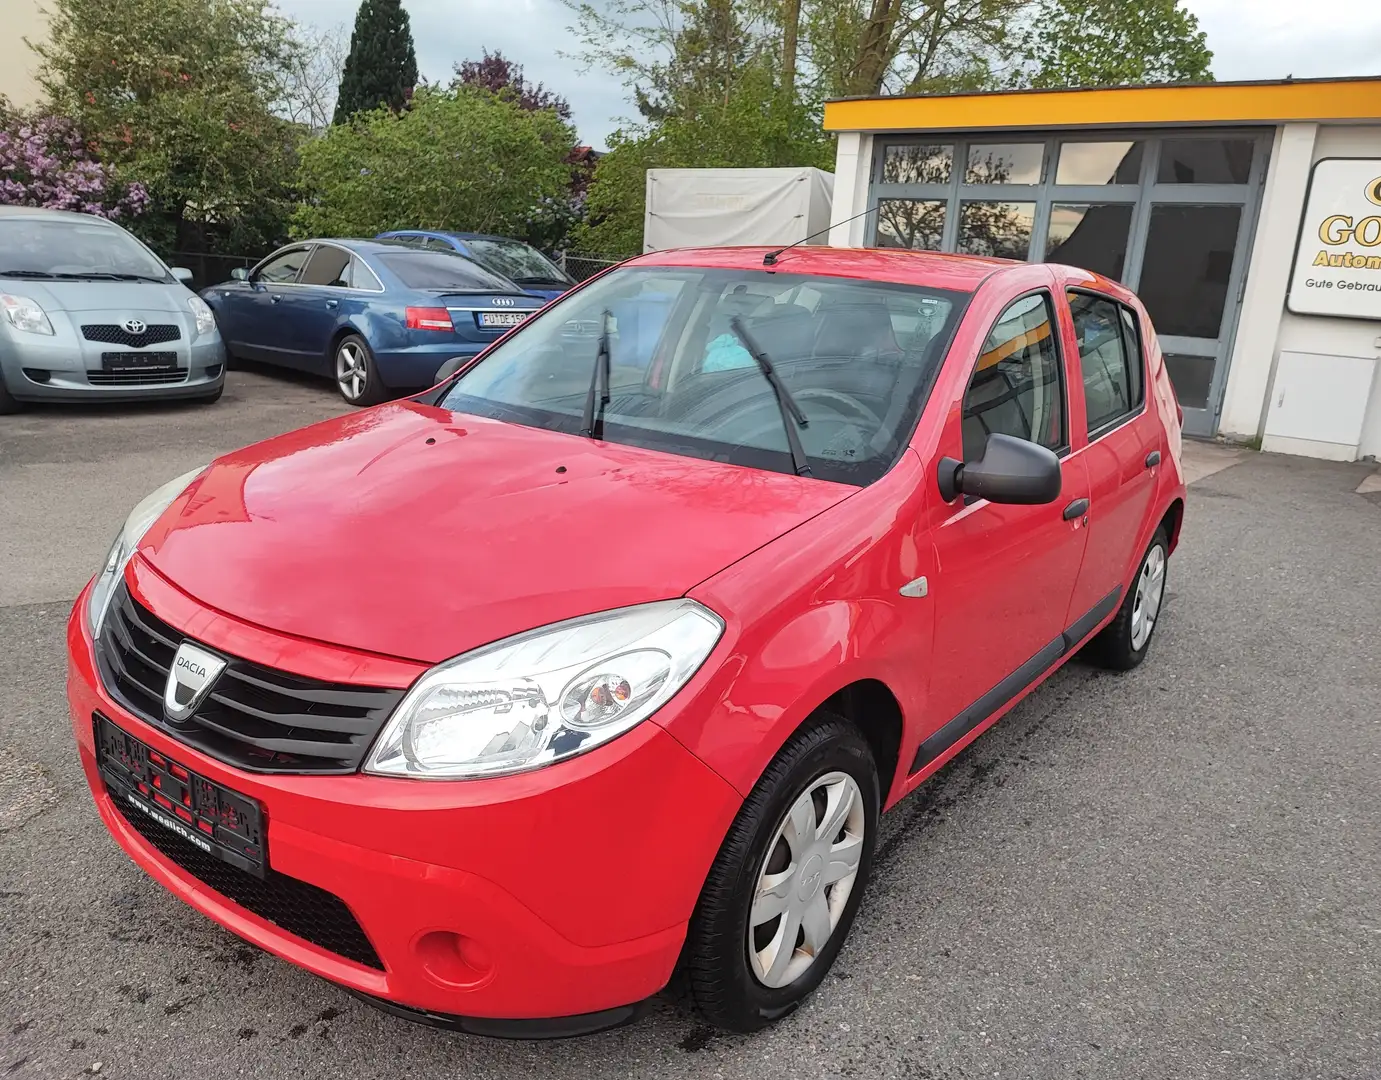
(77, 296)
(414, 532)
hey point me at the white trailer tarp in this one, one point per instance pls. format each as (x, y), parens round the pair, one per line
(735, 207)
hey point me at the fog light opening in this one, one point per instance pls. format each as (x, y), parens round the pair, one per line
(454, 960)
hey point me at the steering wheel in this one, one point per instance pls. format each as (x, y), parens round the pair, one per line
(849, 414)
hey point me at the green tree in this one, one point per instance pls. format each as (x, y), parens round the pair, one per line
(381, 68)
(182, 97)
(456, 159)
(1112, 42)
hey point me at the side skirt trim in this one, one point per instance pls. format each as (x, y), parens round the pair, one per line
(1024, 676)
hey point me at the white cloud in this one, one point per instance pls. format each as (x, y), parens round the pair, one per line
(1250, 39)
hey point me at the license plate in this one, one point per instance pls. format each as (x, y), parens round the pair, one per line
(218, 821)
(496, 320)
(138, 361)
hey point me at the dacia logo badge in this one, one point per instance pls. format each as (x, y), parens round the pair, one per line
(190, 679)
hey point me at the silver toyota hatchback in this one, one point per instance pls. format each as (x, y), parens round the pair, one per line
(88, 313)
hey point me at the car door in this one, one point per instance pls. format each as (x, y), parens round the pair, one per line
(315, 308)
(261, 322)
(1005, 573)
(1123, 450)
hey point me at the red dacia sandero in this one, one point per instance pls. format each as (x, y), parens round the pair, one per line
(599, 660)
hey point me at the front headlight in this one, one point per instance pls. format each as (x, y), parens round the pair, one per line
(547, 694)
(140, 519)
(206, 319)
(25, 314)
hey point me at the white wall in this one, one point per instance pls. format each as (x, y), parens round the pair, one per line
(20, 19)
(853, 161)
(1265, 328)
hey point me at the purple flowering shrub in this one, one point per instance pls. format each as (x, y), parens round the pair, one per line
(44, 162)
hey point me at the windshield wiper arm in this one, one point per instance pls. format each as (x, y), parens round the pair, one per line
(102, 275)
(592, 423)
(785, 403)
(26, 274)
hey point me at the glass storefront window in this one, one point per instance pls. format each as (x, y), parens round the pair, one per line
(1187, 267)
(911, 223)
(1000, 229)
(917, 163)
(1005, 163)
(1093, 237)
(1100, 163)
(1205, 161)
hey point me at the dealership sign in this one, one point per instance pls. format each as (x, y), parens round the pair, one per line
(1338, 258)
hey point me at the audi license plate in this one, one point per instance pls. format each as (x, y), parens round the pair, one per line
(213, 818)
(138, 361)
(502, 320)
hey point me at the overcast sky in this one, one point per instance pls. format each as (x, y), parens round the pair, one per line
(1250, 39)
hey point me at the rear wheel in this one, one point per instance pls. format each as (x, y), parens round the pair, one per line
(782, 894)
(357, 376)
(1124, 642)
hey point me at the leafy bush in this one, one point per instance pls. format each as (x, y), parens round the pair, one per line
(45, 162)
(456, 159)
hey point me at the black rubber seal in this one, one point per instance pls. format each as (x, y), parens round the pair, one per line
(557, 1027)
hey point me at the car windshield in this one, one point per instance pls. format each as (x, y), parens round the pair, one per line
(443, 270)
(515, 260)
(857, 357)
(38, 247)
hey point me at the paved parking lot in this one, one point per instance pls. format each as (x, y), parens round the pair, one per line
(1174, 873)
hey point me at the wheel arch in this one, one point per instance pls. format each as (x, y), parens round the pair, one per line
(1171, 521)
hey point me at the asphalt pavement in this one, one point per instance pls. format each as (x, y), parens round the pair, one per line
(1170, 874)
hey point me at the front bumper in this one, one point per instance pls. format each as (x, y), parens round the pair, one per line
(554, 894)
(54, 369)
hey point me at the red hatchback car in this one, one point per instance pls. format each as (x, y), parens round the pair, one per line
(498, 703)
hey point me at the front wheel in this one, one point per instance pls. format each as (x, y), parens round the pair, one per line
(782, 893)
(1124, 642)
(357, 376)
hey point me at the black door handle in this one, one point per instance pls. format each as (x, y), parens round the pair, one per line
(1153, 459)
(1078, 508)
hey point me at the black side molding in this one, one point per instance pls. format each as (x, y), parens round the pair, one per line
(1014, 683)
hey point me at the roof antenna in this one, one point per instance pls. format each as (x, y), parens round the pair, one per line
(770, 259)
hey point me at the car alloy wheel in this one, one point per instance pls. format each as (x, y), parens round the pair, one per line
(1150, 589)
(352, 370)
(805, 881)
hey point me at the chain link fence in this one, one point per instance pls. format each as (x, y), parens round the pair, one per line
(581, 267)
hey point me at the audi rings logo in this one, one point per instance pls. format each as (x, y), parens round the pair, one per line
(134, 326)
(502, 301)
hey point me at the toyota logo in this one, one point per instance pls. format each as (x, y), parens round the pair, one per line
(134, 326)
(502, 301)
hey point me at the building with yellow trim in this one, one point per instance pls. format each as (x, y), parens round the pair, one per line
(1247, 216)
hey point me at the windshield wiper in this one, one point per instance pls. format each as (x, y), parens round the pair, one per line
(592, 422)
(785, 403)
(26, 274)
(101, 275)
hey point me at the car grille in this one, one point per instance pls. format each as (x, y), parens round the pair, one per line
(114, 334)
(255, 718)
(136, 378)
(305, 910)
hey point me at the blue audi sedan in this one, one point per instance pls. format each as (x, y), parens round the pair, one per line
(521, 263)
(378, 317)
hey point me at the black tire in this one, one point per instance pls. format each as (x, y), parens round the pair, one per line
(716, 965)
(1115, 646)
(373, 391)
(8, 403)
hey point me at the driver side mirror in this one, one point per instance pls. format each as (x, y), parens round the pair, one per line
(182, 274)
(239, 274)
(1011, 470)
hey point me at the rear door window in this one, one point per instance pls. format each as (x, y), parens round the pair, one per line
(329, 267)
(1110, 357)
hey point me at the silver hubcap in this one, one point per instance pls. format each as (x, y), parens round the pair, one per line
(351, 371)
(1150, 589)
(806, 879)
